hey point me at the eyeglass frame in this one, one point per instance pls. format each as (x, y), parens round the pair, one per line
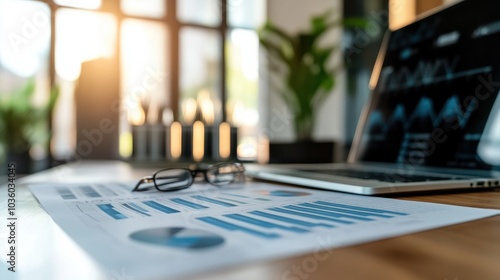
(192, 171)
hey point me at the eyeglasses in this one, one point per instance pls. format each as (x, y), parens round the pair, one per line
(173, 179)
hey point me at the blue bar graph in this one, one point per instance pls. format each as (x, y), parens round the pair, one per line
(214, 201)
(138, 207)
(232, 227)
(232, 200)
(326, 213)
(88, 191)
(264, 224)
(65, 193)
(109, 209)
(238, 195)
(160, 207)
(361, 208)
(311, 216)
(289, 220)
(341, 210)
(188, 203)
(135, 210)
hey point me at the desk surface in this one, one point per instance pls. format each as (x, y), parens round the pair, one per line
(464, 251)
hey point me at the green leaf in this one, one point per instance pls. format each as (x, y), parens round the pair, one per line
(355, 22)
(307, 79)
(24, 121)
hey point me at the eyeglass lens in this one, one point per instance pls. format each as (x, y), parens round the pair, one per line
(177, 179)
(223, 173)
(173, 179)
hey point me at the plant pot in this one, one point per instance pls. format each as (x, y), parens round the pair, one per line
(302, 152)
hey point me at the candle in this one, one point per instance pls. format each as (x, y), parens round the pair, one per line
(136, 116)
(263, 149)
(198, 140)
(206, 106)
(176, 140)
(189, 107)
(224, 140)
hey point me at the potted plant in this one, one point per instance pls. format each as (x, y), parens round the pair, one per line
(307, 76)
(23, 124)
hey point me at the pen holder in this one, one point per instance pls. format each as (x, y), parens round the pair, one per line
(140, 142)
(157, 142)
(184, 142)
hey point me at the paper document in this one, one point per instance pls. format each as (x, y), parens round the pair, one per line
(204, 227)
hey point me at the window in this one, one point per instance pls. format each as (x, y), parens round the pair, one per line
(187, 50)
(25, 37)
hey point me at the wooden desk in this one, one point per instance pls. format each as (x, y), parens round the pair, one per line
(465, 251)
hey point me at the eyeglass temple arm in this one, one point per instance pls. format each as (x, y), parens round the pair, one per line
(148, 179)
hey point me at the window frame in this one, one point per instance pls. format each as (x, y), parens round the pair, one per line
(174, 27)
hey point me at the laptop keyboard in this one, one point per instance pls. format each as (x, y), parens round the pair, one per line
(382, 176)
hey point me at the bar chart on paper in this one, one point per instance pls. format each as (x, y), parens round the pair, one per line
(187, 226)
(264, 213)
(297, 218)
(90, 191)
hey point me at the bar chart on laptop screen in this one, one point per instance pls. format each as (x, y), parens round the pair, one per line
(434, 92)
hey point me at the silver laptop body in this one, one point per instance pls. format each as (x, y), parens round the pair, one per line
(433, 121)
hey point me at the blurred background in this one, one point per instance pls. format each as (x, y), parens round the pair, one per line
(82, 78)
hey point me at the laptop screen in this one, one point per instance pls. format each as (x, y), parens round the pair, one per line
(436, 90)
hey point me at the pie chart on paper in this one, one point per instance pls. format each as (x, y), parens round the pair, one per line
(178, 237)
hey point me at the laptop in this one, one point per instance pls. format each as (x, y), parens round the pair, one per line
(433, 118)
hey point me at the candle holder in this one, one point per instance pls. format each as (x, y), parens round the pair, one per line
(184, 142)
(234, 143)
(140, 142)
(157, 142)
(187, 142)
(210, 142)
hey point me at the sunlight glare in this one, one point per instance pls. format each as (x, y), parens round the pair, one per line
(82, 36)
